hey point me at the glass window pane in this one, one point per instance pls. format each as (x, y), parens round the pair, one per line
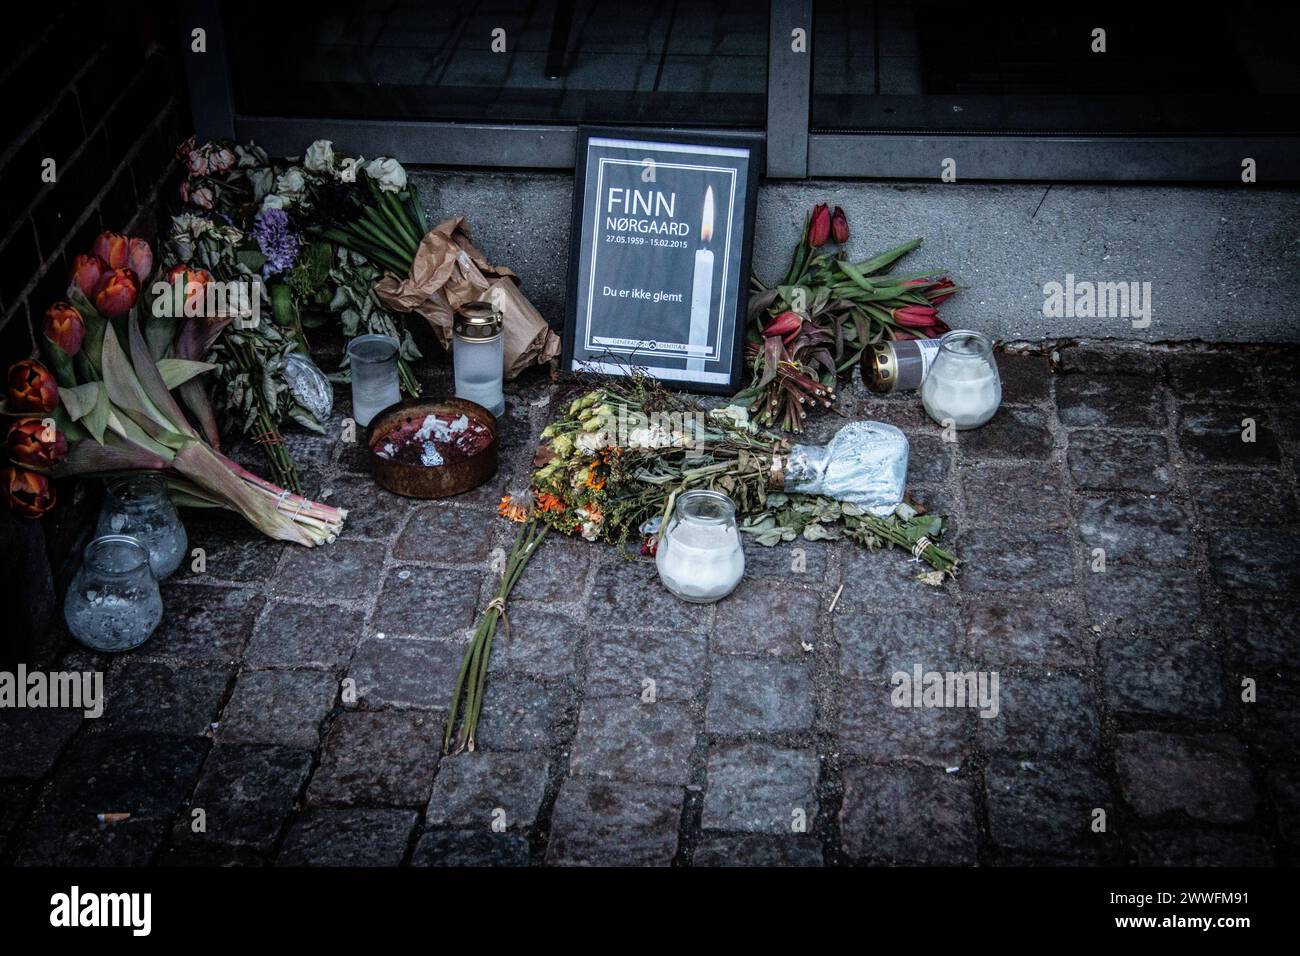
(1029, 67)
(701, 63)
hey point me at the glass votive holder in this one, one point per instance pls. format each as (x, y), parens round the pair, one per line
(113, 603)
(137, 505)
(962, 386)
(700, 557)
(373, 360)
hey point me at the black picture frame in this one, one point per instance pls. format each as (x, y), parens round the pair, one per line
(576, 314)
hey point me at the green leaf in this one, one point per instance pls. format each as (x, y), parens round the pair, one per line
(176, 372)
(97, 421)
(886, 259)
(126, 392)
(820, 532)
(80, 400)
(151, 380)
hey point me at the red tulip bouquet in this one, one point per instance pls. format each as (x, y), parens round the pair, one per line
(814, 325)
(111, 402)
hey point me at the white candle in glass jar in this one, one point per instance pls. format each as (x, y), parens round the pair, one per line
(962, 386)
(700, 557)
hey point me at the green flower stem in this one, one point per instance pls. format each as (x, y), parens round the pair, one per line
(471, 679)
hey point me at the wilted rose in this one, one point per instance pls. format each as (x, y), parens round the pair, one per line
(840, 226)
(319, 157)
(87, 273)
(64, 326)
(203, 197)
(221, 158)
(291, 182)
(140, 259)
(196, 162)
(819, 226)
(388, 174)
(113, 248)
(117, 293)
(36, 443)
(32, 388)
(28, 493)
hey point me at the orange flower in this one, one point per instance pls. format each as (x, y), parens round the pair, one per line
(593, 482)
(117, 293)
(32, 388)
(28, 493)
(508, 509)
(113, 248)
(36, 444)
(549, 502)
(64, 327)
(87, 272)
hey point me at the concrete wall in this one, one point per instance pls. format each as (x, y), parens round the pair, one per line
(1224, 264)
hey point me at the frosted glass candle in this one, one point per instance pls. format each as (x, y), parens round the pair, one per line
(962, 386)
(373, 360)
(699, 557)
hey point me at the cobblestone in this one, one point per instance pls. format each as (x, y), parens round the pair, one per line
(243, 798)
(1119, 461)
(1047, 806)
(1110, 401)
(487, 792)
(299, 697)
(278, 707)
(1204, 777)
(908, 815)
(756, 788)
(630, 740)
(348, 838)
(750, 695)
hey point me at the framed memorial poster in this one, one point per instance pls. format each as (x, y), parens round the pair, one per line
(663, 226)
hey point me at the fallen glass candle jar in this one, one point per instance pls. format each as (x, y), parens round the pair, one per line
(865, 464)
(431, 449)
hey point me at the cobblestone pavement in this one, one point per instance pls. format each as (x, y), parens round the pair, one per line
(772, 739)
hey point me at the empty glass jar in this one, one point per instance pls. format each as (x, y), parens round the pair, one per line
(478, 355)
(113, 602)
(963, 384)
(700, 558)
(373, 360)
(138, 506)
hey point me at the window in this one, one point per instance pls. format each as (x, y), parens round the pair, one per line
(883, 88)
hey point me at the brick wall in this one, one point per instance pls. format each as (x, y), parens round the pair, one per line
(101, 92)
(104, 97)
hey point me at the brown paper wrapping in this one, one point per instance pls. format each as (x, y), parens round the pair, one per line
(447, 273)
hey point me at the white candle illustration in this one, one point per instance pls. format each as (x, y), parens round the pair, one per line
(702, 287)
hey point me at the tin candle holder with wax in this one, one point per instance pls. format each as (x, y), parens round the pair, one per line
(423, 448)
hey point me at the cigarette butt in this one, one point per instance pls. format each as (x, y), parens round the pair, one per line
(112, 817)
(836, 600)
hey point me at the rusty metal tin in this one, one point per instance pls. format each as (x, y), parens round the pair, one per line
(443, 481)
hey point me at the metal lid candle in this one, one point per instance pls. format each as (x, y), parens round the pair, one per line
(478, 354)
